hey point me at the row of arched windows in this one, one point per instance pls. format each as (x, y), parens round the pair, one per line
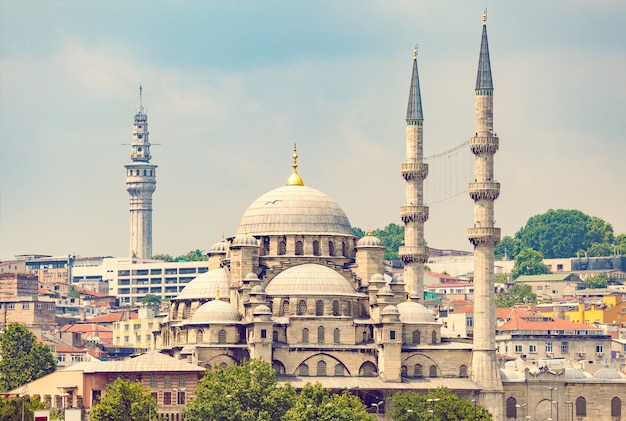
(138, 172)
(321, 335)
(301, 309)
(299, 248)
(368, 369)
(416, 337)
(580, 407)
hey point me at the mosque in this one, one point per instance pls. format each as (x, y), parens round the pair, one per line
(295, 287)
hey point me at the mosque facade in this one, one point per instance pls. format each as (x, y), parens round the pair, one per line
(295, 287)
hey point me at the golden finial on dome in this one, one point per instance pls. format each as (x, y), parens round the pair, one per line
(408, 294)
(369, 231)
(223, 239)
(415, 52)
(294, 179)
(217, 294)
(485, 16)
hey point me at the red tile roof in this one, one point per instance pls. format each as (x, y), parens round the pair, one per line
(113, 317)
(544, 324)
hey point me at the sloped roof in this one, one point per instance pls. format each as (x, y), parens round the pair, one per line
(115, 316)
(149, 362)
(548, 277)
(530, 323)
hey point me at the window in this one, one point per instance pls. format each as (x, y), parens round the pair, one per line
(599, 348)
(321, 368)
(331, 248)
(532, 348)
(339, 370)
(303, 370)
(470, 321)
(320, 335)
(511, 409)
(539, 287)
(392, 334)
(305, 335)
(282, 247)
(221, 337)
(416, 336)
(616, 407)
(564, 347)
(434, 337)
(263, 333)
(299, 248)
(432, 371)
(548, 346)
(181, 380)
(463, 371)
(61, 358)
(319, 308)
(167, 382)
(285, 308)
(418, 371)
(11, 306)
(335, 308)
(200, 336)
(39, 306)
(301, 308)
(167, 398)
(368, 369)
(316, 248)
(49, 306)
(275, 336)
(518, 348)
(581, 407)
(126, 327)
(153, 381)
(181, 398)
(337, 336)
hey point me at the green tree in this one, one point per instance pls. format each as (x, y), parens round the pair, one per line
(600, 280)
(240, 392)
(517, 294)
(11, 409)
(508, 246)
(620, 244)
(529, 262)
(408, 406)
(315, 402)
(600, 249)
(164, 257)
(23, 358)
(193, 256)
(151, 299)
(125, 400)
(358, 232)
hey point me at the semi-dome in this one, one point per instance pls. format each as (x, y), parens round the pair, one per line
(206, 285)
(310, 279)
(295, 209)
(412, 312)
(216, 311)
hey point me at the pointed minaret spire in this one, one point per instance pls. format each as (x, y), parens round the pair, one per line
(140, 98)
(294, 179)
(483, 78)
(414, 213)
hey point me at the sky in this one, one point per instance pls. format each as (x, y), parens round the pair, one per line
(230, 86)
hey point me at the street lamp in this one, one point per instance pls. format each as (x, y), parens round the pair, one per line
(552, 402)
(518, 406)
(474, 401)
(434, 401)
(377, 405)
(571, 409)
(410, 411)
(23, 396)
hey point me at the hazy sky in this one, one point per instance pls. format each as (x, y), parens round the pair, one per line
(229, 86)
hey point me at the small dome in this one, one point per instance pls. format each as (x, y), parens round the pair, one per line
(257, 290)
(206, 285)
(310, 279)
(412, 312)
(216, 311)
(251, 277)
(245, 240)
(510, 374)
(262, 310)
(607, 374)
(377, 278)
(369, 241)
(574, 374)
(219, 248)
(385, 291)
(390, 310)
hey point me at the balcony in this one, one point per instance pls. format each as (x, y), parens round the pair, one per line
(487, 190)
(486, 236)
(411, 170)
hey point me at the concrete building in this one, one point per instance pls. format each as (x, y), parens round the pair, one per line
(552, 285)
(20, 303)
(137, 332)
(140, 184)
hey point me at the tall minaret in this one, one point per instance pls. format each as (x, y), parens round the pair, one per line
(140, 184)
(484, 236)
(414, 253)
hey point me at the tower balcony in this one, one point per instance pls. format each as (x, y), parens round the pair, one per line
(484, 236)
(412, 170)
(410, 254)
(413, 213)
(484, 144)
(486, 190)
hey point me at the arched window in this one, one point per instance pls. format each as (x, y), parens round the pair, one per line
(463, 371)
(434, 337)
(511, 409)
(200, 336)
(299, 248)
(316, 248)
(367, 370)
(335, 308)
(366, 337)
(321, 368)
(221, 337)
(331, 248)
(616, 407)
(319, 308)
(303, 370)
(282, 247)
(347, 308)
(343, 249)
(403, 371)
(432, 371)
(301, 308)
(416, 336)
(581, 407)
(337, 336)
(278, 367)
(284, 308)
(418, 371)
(275, 336)
(266, 245)
(339, 370)
(320, 335)
(305, 336)
(223, 365)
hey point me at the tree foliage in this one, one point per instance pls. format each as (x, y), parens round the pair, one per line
(315, 402)
(164, 257)
(409, 406)
(196, 255)
(517, 294)
(124, 400)
(11, 409)
(246, 392)
(508, 247)
(392, 237)
(600, 280)
(23, 358)
(151, 299)
(529, 262)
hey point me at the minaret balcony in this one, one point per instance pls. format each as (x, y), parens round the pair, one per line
(413, 213)
(413, 170)
(486, 190)
(484, 236)
(484, 144)
(410, 254)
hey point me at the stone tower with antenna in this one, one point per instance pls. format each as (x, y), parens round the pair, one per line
(414, 213)
(140, 184)
(484, 236)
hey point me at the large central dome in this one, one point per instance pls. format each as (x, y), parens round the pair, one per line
(294, 209)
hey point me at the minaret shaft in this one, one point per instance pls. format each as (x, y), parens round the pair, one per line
(140, 184)
(414, 213)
